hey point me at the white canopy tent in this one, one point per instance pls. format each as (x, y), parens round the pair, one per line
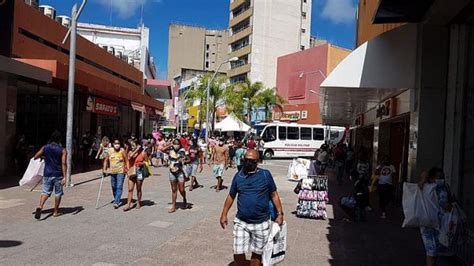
(232, 123)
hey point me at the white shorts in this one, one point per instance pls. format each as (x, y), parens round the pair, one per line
(248, 235)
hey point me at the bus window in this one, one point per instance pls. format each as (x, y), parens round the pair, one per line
(334, 135)
(306, 133)
(282, 133)
(318, 134)
(269, 134)
(293, 133)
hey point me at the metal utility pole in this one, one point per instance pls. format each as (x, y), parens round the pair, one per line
(72, 33)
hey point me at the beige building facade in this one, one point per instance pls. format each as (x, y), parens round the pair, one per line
(262, 30)
(196, 48)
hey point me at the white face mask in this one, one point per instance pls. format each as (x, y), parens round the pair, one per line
(176, 147)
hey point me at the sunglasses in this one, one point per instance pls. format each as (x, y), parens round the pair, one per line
(251, 160)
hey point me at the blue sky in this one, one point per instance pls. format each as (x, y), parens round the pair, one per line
(333, 20)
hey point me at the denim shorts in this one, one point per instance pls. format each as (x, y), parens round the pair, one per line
(52, 182)
(192, 169)
(178, 177)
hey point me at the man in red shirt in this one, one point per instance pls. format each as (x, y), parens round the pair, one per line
(251, 144)
(183, 140)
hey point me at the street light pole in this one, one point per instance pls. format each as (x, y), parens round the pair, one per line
(72, 33)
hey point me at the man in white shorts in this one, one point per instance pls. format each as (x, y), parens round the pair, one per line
(255, 188)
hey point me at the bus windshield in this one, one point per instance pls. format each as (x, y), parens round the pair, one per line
(259, 129)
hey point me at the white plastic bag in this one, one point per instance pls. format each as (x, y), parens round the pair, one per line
(275, 249)
(420, 206)
(298, 169)
(450, 224)
(33, 174)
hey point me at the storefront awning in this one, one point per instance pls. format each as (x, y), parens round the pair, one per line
(374, 71)
(95, 85)
(158, 89)
(138, 107)
(18, 68)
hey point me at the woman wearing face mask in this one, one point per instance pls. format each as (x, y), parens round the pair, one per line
(430, 235)
(176, 175)
(135, 151)
(117, 163)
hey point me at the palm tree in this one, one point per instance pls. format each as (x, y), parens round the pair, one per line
(248, 90)
(219, 91)
(269, 99)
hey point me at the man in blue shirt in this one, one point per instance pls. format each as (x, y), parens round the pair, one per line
(54, 176)
(255, 188)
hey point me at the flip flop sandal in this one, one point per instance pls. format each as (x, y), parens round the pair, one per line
(57, 214)
(127, 209)
(38, 213)
(171, 210)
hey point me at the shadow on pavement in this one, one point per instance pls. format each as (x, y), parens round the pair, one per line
(148, 203)
(9, 243)
(373, 242)
(63, 211)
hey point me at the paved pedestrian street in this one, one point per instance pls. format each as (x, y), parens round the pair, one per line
(84, 235)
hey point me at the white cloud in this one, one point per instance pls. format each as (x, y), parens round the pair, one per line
(125, 8)
(339, 11)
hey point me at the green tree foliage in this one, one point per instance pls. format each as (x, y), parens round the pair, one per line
(269, 99)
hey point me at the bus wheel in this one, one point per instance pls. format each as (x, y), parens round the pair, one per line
(268, 154)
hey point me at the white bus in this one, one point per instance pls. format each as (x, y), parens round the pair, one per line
(290, 140)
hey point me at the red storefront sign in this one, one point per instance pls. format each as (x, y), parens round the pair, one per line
(102, 106)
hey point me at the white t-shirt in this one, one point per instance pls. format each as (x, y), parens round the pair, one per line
(386, 174)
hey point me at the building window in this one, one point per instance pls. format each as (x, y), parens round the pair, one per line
(207, 55)
(303, 14)
(207, 64)
(207, 46)
(303, 30)
(304, 1)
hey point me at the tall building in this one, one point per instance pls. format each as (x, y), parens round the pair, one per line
(196, 48)
(262, 30)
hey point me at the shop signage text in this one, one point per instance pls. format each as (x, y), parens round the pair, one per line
(102, 106)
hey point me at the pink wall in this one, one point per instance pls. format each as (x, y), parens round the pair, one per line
(294, 89)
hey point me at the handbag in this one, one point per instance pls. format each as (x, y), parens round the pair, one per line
(297, 189)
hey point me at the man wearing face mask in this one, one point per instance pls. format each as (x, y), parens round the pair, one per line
(255, 188)
(220, 161)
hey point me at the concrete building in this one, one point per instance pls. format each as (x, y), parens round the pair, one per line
(33, 86)
(262, 30)
(191, 47)
(298, 78)
(408, 91)
(128, 44)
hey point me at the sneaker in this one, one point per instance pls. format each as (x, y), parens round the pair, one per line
(116, 206)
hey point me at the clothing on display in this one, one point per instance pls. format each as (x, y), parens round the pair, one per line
(312, 197)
